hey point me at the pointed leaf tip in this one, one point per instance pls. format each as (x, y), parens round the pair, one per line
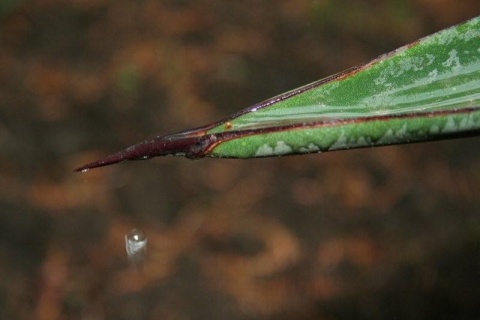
(192, 144)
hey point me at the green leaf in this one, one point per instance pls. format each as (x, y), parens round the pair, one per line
(427, 90)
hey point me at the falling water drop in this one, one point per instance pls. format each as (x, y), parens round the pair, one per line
(136, 245)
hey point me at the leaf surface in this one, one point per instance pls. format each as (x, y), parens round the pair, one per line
(427, 90)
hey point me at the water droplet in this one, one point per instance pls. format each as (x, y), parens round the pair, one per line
(136, 245)
(84, 170)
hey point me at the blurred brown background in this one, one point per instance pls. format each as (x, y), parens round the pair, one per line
(387, 233)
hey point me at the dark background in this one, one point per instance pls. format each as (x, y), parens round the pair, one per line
(386, 233)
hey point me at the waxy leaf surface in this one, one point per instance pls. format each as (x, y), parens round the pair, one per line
(427, 90)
